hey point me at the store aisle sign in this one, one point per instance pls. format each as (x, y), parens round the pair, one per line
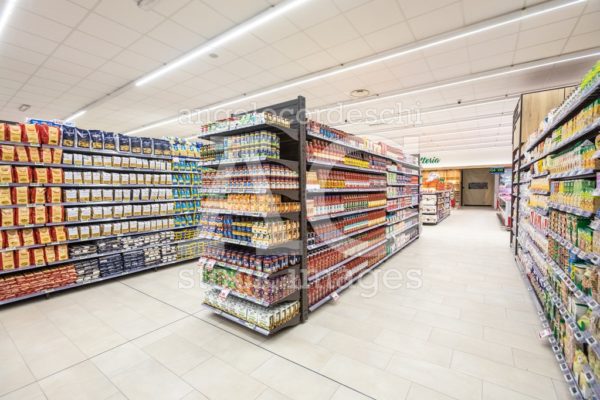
(497, 170)
(430, 160)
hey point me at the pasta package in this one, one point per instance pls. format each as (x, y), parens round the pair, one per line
(67, 158)
(30, 134)
(14, 133)
(21, 154)
(124, 143)
(124, 227)
(87, 161)
(94, 231)
(118, 194)
(136, 144)
(8, 260)
(72, 214)
(8, 152)
(84, 232)
(38, 257)
(49, 134)
(34, 154)
(56, 175)
(39, 215)
(23, 258)
(107, 195)
(40, 175)
(133, 226)
(147, 146)
(71, 195)
(20, 195)
(125, 162)
(96, 177)
(46, 155)
(97, 213)
(106, 230)
(146, 209)
(137, 210)
(8, 217)
(84, 195)
(50, 254)
(57, 156)
(54, 195)
(69, 177)
(23, 216)
(107, 161)
(85, 213)
(28, 237)
(87, 177)
(116, 161)
(96, 195)
(118, 212)
(116, 178)
(78, 160)
(12, 238)
(72, 233)
(97, 161)
(106, 178)
(22, 174)
(5, 196)
(68, 136)
(6, 174)
(97, 139)
(108, 139)
(59, 233)
(83, 138)
(127, 210)
(107, 212)
(117, 228)
(38, 195)
(62, 252)
(56, 214)
(43, 235)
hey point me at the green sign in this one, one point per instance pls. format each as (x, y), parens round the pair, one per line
(430, 160)
(497, 170)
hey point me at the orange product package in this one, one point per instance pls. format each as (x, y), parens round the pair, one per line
(22, 174)
(3, 244)
(43, 235)
(14, 133)
(38, 257)
(21, 154)
(29, 134)
(59, 233)
(50, 254)
(62, 252)
(20, 195)
(54, 195)
(6, 174)
(23, 216)
(38, 215)
(7, 152)
(8, 217)
(46, 155)
(28, 237)
(5, 197)
(40, 175)
(13, 238)
(8, 260)
(3, 131)
(34, 154)
(44, 134)
(37, 195)
(57, 214)
(57, 156)
(56, 175)
(23, 258)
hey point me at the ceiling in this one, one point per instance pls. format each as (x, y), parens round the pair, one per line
(59, 56)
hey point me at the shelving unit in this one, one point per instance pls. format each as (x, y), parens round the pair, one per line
(550, 236)
(435, 207)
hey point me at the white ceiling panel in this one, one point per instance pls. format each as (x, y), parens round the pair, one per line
(126, 13)
(374, 16)
(177, 36)
(351, 50)
(441, 20)
(28, 41)
(109, 30)
(38, 25)
(390, 37)
(212, 24)
(332, 32)
(305, 17)
(62, 11)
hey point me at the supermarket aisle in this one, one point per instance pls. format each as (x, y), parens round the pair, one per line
(468, 331)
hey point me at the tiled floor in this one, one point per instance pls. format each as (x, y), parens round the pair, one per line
(468, 331)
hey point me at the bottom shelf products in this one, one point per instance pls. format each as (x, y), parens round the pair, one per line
(397, 242)
(19, 285)
(267, 318)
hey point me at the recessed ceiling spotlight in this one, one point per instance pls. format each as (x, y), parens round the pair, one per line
(24, 107)
(146, 4)
(360, 93)
(213, 55)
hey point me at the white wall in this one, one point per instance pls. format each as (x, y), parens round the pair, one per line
(469, 158)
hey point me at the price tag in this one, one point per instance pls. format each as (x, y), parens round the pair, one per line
(544, 333)
(224, 293)
(210, 265)
(335, 296)
(202, 261)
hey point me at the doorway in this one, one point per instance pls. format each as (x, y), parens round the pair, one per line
(478, 187)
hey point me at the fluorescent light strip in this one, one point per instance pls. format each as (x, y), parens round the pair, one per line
(464, 140)
(239, 30)
(7, 12)
(525, 14)
(75, 116)
(429, 134)
(465, 146)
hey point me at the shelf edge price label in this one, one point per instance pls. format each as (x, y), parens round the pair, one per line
(202, 262)
(210, 264)
(335, 296)
(224, 294)
(544, 333)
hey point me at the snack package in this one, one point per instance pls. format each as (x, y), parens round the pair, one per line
(22, 174)
(7, 152)
(21, 154)
(50, 254)
(23, 258)
(37, 195)
(8, 217)
(29, 134)
(62, 252)
(5, 196)
(56, 214)
(83, 138)
(38, 257)
(43, 235)
(69, 134)
(34, 154)
(39, 215)
(59, 233)
(108, 138)
(28, 237)
(23, 215)
(124, 143)
(20, 195)
(56, 175)
(54, 195)
(12, 238)
(57, 155)
(8, 260)
(6, 174)
(96, 138)
(40, 175)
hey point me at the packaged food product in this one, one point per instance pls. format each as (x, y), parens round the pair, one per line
(107, 212)
(39, 215)
(21, 154)
(12, 238)
(72, 233)
(23, 258)
(8, 260)
(87, 160)
(107, 195)
(56, 175)
(97, 161)
(37, 195)
(117, 228)
(20, 195)
(106, 230)
(106, 178)
(56, 214)
(95, 231)
(22, 174)
(30, 134)
(136, 144)
(107, 161)
(85, 213)
(72, 214)
(108, 138)
(7, 152)
(147, 147)
(87, 177)
(40, 175)
(83, 138)
(38, 257)
(28, 236)
(59, 233)
(57, 156)
(69, 177)
(50, 254)
(46, 155)
(84, 195)
(78, 159)
(8, 217)
(23, 216)
(125, 162)
(54, 195)
(5, 197)
(96, 138)
(34, 154)
(84, 232)
(6, 174)
(96, 195)
(62, 252)
(43, 235)
(124, 143)
(96, 177)
(14, 133)
(50, 135)
(68, 136)
(125, 227)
